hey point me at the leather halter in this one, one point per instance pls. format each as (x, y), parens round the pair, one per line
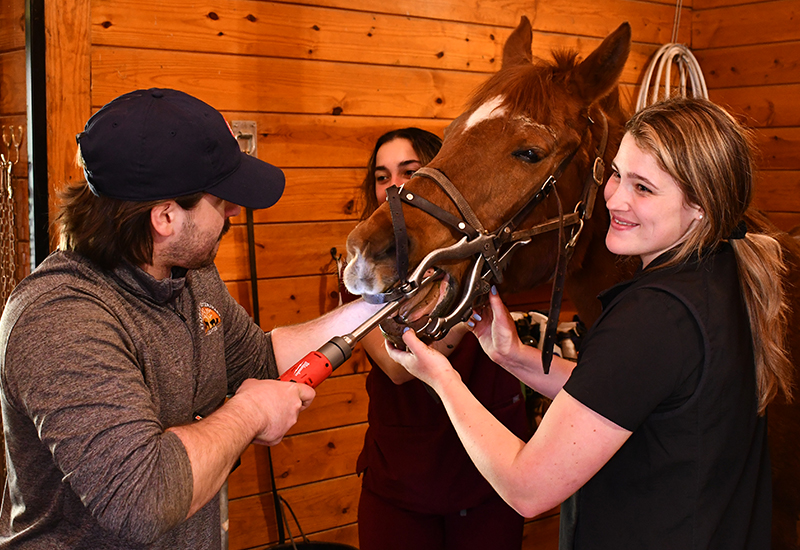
(493, 250)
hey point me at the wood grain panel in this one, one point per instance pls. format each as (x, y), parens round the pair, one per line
(284, 85)
(301, 32)
(541, 533)
(733, 25)
(295, 86)
(710, 4)
(12, 23)
(762, 105)
(282, 250)
(315, 141)
(316, 194)
(597, 18)
(298, 460)
(347, 534)
(69, 91)
(778, 191)
(759, 65)
(12, 83)
(340, 401)
(779, 148)
(307, 32)
(318, 506)
(785, 221)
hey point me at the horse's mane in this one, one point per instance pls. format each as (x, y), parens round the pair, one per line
(527, 87)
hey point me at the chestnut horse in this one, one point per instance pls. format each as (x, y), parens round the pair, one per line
(530, 124)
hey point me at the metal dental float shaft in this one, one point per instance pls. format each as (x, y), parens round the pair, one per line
(318, 365)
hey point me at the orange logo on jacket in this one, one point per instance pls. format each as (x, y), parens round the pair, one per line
(210, 317)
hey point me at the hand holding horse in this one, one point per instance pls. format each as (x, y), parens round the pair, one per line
(495, 329)
(493, 326)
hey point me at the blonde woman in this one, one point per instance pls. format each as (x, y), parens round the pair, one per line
(660, 428)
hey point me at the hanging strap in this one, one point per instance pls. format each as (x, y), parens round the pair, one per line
(564, 254)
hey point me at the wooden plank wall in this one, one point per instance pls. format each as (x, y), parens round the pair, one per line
(750, 55)
(323, 79)
(13, 115)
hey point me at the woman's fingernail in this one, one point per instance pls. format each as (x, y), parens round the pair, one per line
(406, 329)
(477, 317)
(494, 290)
(470, 324)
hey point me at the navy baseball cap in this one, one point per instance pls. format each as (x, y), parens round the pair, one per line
(160, 144)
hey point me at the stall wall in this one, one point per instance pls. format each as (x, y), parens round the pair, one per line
(750, 54)
(322, 80)
(13, 119)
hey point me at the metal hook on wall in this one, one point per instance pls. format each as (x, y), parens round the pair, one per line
(12, 139)
(246, 134)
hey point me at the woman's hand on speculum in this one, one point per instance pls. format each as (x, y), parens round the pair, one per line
(495, 329)
(423, 362)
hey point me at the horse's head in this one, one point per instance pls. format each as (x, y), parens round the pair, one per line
(531, 120)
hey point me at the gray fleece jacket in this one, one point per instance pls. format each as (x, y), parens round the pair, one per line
(94, 367)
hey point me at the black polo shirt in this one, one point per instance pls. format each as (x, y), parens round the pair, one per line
(671, 359)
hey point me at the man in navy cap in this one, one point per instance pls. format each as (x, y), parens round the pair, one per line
(117, 353)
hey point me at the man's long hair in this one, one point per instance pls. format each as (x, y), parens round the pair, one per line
(106, 230)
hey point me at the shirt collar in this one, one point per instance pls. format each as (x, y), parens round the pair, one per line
(139, 281)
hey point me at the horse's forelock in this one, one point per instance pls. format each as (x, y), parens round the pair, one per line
(528, 88)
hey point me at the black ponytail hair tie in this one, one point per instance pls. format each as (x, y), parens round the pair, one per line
(739, 231)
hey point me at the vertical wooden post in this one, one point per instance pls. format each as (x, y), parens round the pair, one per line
(35, 91)
(69, 104)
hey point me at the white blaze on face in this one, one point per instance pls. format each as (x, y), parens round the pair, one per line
(489, 110)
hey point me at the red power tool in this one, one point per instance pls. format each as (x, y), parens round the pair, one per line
(318, 365)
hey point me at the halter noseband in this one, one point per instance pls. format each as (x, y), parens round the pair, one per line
(493, 250)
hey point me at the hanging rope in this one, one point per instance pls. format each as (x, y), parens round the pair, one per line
(690, 76)
(8, 225)
(676, 21)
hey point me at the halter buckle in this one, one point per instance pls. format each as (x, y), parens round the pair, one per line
(598, 170)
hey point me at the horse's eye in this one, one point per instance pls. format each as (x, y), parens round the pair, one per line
(528, 155)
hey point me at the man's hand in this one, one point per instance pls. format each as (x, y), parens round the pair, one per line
(275, 405)
(262, 411)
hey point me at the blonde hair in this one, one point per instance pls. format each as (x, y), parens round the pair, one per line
(710, 156)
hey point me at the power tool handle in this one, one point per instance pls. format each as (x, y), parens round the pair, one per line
(318, 365)
(311, 369)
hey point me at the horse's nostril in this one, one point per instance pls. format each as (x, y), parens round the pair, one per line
(389, 253)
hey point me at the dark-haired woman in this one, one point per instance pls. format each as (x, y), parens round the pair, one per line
(419, 488)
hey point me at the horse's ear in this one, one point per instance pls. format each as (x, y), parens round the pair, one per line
(598, 74)
(517, 49)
